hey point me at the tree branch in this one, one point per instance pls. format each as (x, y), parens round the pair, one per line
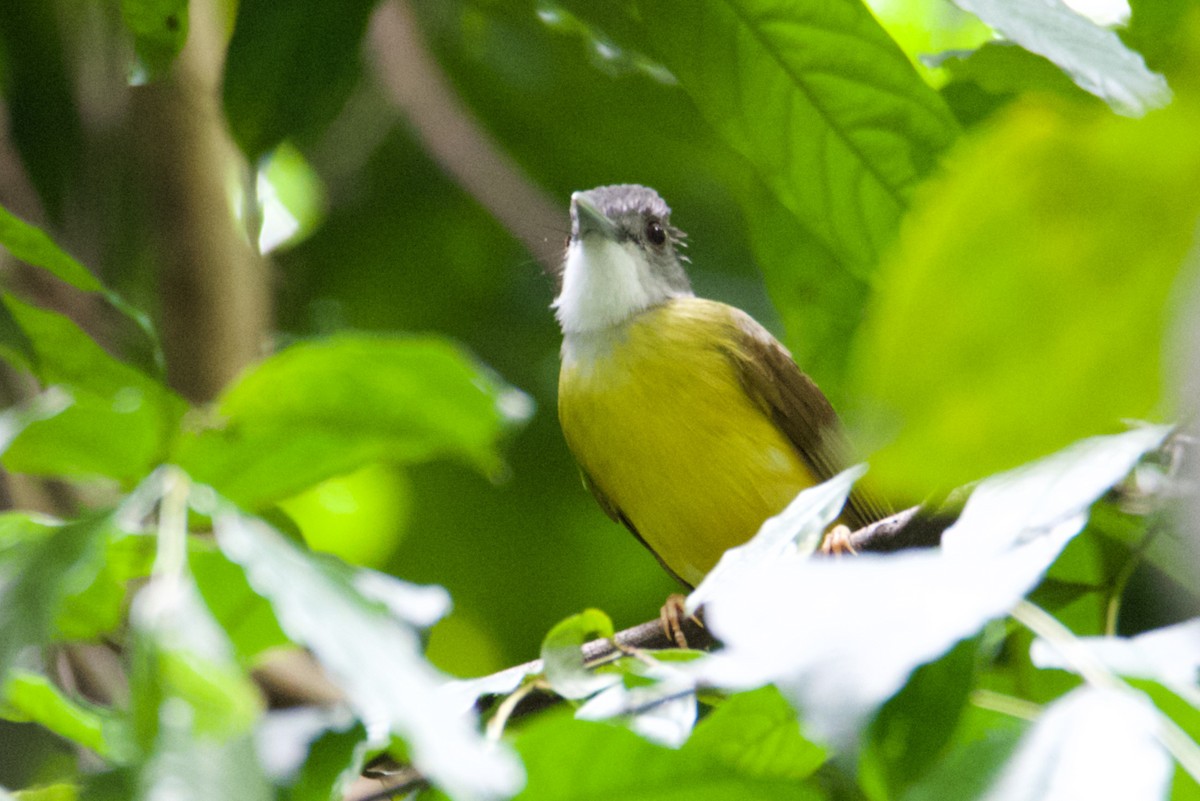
(912, 528)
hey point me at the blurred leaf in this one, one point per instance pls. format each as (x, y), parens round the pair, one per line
(1169, 655)
(838, 668)
(292, 198)
(651, 695)
(373, 502)
(1090, 744)
(1034, 500)
(97, 608)
(795, 531)
(568, 759)
(330, 761)
(245, 616)
(1008, 323)
(1164, 32)
(1093, 56)
(159, 28)
(30, 244)
(969, 770)
(1004, 68)
(119, 421)
(912, 729)
(984, 80)
(30, 697)
(760, 71)
(757, 733)
(14, 340)
(50, 792)
(38, 574)
(289, 68)
(563, 660)
(182, 659)
(371, 654)
(36, 80)
(323, 408)
(16, 420)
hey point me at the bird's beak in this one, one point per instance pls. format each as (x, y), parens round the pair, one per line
(587, 219)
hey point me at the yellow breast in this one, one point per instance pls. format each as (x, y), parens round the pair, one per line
(656, 416)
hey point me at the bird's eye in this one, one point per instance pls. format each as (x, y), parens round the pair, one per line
(655, 232)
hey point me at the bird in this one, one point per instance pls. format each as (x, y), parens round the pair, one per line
(691, 424)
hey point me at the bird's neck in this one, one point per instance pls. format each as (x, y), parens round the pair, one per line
(605, 284)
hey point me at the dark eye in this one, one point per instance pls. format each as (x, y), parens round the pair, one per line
(655, 232)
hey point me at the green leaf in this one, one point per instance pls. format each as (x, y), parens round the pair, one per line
(334, 759)
(817, 98)
(968, 771)
(563, 660)
(1093, 56)
(30, 244)
(327, 407)
(912, 729)
(49, 792)
(758, 734)
(38, 573)
(159, 28)
(568, 759)
(14, 341)
(29, 697)
(119, 421)
(99, 607)
(289, 68)
(40, 98)
(244, 615)
(1037, 312)
(184, 682)
(370, 653)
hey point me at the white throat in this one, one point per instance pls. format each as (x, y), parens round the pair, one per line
(604, 284)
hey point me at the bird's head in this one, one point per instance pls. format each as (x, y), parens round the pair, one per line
(622, 258)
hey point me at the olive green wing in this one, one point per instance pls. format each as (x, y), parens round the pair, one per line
(800, 410)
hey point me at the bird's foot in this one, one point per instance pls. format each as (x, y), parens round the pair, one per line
(837, 542)
(671, 617)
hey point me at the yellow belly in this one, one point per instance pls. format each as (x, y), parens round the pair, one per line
(658, 420)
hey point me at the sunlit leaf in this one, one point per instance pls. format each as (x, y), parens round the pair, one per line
(1170, 655)
(1091, 744)
(372, 655)
(1033, 500)
(327, 407)
(1093, 56)
(796, 531)
(819, 630)
(1038, 312)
